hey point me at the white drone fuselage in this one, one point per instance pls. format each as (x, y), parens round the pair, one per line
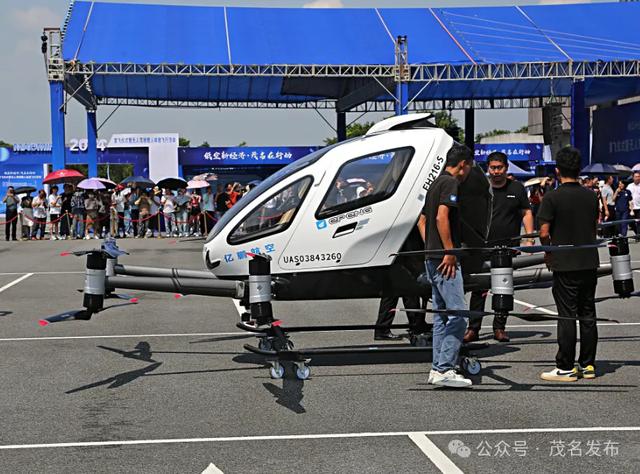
(363, 236)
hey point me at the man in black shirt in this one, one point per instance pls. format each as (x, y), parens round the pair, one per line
(222, 200)
(511, 209)
(569, 216)
(440, 224)
(65, 209)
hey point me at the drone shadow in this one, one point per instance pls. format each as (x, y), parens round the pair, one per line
(5, 313)
(141, 352)
(290, 395)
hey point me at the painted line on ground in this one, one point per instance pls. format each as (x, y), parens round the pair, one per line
(42, 273)
(212, 334)
(555, 325)
(212, 469)
(15, 282)
(122, 336)
(129, 442)
(435, 455)
(532, 306)
(239, 308)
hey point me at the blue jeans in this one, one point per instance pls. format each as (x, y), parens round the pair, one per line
(448, 330)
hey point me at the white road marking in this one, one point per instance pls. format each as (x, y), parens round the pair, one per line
(129, 442)
(538, 308)
(15, 282)
(435, 455)
(121, 336)
(42, 273)
(212, 469)
(555, 325)
(243, 333)
(239, 308)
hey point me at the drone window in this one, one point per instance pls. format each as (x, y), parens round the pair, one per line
(365, 181)
(273, 215)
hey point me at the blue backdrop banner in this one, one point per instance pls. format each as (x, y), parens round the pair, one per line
(514, 151)
(616, 135)
(242, 155)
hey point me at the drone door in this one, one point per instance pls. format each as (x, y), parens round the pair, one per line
(352, 218)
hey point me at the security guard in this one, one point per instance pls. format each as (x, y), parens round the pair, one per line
(511, 209)
(569, 216)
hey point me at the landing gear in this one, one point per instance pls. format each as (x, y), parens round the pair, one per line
(420, 340)
(276, 370)
(302, 370)
(265, 343)
(471, 365)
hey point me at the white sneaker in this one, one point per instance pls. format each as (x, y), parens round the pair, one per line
(97, 237)
(452, 379)
(559, 375)
(433, 376)
(86, 237)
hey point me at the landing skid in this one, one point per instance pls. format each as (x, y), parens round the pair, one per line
(276, 346)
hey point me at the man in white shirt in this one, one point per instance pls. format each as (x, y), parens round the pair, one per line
(634, 188)
(607, 197)
(168, 210)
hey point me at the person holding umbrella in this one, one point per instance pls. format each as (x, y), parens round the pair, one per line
(55, 206)
(134, 210)
(91, 204)
(65, 209)
(11, 202)
(168, 202)
(77, 209)
(144, 207)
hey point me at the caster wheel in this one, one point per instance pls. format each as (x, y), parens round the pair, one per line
(276, 371)
(413, 340)
(265, 345)
(303, 372)
(421, 341)
(471, 365)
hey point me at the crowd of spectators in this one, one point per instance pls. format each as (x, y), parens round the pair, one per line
(126, 211)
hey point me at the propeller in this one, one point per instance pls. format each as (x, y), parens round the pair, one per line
(78, 314)
(465, 313)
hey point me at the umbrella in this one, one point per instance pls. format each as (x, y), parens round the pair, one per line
(205, 177)
(534, 181)
(636, 167)
(107, 183)
(25, 190)
(63, 176)
(599, 168)
(139, 181)
(198, 184)
(172, 183)
(91, 183)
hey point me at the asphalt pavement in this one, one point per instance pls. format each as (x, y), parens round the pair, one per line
(166, 386)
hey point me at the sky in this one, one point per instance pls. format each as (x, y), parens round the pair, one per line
(24, 91)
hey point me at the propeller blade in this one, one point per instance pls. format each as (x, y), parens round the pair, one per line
(516, 238)
(556, 248)
(439, 253)
(622, 221)
(80, 314)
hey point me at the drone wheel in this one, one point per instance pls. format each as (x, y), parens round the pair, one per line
(421, 340)
(302, 371)
(471, 365)
(276, 371)
(265, 344)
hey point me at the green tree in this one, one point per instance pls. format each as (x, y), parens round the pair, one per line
(184, 141)
(492, 133)
(205, 144)
(4, 144)
(242, 143)
(449, 124)
(523, 129)
(354, 130)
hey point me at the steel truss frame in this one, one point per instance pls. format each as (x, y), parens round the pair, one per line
(418, 72)
(372, 106)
